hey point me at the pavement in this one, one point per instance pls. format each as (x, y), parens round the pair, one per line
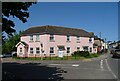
(53, 61)
(98, 69)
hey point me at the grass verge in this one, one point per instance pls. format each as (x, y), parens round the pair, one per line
(57, 58)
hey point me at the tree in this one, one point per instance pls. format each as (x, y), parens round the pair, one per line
(9, 45)
(14, 9)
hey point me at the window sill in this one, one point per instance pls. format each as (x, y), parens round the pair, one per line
(90, 42)
(52, 54)
(78, 41)
(52, 41)
(20, 53)
(31, 54)
(68, 53)
(68, 41)
(37, 41)
(31, 41)
(37, 54)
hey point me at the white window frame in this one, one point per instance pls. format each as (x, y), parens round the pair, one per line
(20, 50)
(90, 49)
(68, 38)
(68, 51)
(37, 51)
(51, 37)
(52, 50)
(90, 40)
(31, 37)
(78, 49)
(85, 48)
(37, 37)
(31, 51)
(78, 38)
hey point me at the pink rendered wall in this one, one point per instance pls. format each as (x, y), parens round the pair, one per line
(35, 44)
(62, 40)
(59, 40)
(18, 51)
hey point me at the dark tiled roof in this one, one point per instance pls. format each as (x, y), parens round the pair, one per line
(57, 30)
(24, 43)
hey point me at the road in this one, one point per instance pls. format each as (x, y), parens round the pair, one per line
(100, 69)
(114, 64)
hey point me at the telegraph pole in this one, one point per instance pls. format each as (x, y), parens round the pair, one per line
(105, 43)
(100, 41)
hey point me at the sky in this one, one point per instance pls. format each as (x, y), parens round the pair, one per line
(91, 16)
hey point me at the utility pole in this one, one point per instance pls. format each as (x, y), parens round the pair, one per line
(105, 43)
(100, 41)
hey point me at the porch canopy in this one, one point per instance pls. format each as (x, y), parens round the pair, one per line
(22, 43)
(61, 47)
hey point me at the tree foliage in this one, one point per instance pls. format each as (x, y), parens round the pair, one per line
(16, 10)
(9, 45)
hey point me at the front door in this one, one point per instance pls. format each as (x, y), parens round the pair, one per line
(26, 51)
(60, 51)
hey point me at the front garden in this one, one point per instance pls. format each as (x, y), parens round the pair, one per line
(77, 55)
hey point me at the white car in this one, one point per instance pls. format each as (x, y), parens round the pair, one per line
(14, 53)
(1, 56)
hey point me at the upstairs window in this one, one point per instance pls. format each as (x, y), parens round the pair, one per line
(31, 37)
(78, 38)
(90, 39)
(37, 37)
(51, 37)
(68, 38)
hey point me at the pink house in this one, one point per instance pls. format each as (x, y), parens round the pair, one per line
(54, 41)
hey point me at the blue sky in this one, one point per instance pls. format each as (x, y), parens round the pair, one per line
(91, 16)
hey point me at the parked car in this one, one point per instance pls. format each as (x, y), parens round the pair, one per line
(7, 55)
(116, 53)
(14, 53)
(1, 55)
(112, 50)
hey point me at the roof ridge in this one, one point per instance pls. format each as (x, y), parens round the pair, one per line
(57, 30)
(65, 27)
(54, 26)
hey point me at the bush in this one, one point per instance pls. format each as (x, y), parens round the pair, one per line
(81, 53)
(94, 55)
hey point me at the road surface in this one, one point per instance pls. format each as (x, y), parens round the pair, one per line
(100, 69)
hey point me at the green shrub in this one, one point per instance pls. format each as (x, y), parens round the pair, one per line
(81, 53)
(94, 55)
